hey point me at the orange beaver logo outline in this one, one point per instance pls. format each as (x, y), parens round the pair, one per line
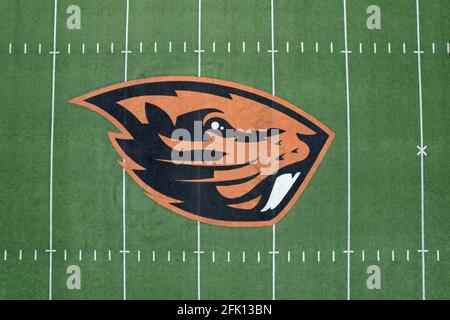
(212, 150)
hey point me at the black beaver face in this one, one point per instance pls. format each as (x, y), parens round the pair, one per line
(211, 150)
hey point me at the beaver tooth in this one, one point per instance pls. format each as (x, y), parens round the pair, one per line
(280, 189)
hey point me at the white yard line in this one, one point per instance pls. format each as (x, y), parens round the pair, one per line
(199, 61)
(347, 91)
(422, 153)
(272, 27)
(273, 261)
(199, 73)
(124, 238)
(52, 133)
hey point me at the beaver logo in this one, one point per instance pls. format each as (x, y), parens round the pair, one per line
(212, 150)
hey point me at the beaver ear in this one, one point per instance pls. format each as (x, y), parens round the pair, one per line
(159, 118)
(113, 105)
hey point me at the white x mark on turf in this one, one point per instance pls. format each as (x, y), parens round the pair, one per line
(421, 151)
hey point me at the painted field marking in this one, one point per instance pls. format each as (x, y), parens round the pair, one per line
(199, 73)
(422, 166)
(272, 27)
(347, 91)
(242, 253)
(316, 45)
(171, 47)
(228, 256)
(124, 250)
(52, 134)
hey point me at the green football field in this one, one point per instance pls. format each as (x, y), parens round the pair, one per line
(378, 204)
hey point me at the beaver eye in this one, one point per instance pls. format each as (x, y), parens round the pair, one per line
(218, 124)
